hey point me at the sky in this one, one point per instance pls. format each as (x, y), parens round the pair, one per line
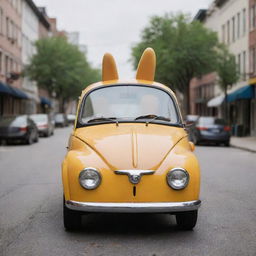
(113, 25)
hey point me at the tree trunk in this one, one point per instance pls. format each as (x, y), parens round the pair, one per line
(62, 103)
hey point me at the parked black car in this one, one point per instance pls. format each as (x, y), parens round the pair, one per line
(44, 124)
(22, 128)
(61, 120)
(210, 129)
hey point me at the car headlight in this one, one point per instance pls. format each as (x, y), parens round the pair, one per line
(177, 178)
(89, 178)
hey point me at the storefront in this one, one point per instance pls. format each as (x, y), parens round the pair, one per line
(240, 110)
(12, 100)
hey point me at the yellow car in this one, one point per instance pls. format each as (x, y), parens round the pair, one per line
(129, 151)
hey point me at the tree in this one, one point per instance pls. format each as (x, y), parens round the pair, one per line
(184, 50)
(227, 72)
(60, 68)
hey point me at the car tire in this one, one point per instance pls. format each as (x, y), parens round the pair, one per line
(36, 138)
(195, 140)
(71, 219)
(227, 143)
(29, 140)
(186, 220)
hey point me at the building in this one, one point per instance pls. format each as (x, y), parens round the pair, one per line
(230, 20)
(12, 97)
(34, 27)
(252, 51)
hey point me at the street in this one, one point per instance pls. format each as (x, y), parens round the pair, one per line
(31, 209)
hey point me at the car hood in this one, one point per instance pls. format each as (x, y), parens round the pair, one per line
(131, 146)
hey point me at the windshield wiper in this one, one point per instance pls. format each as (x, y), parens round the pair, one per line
(152, 118)
(99, 119)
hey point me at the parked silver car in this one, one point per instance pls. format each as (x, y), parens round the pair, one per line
(44, 124)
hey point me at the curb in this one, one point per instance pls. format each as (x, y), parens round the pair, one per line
(243, 148)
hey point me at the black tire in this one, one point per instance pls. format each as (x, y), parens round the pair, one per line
(36, 138)
(227, 143)
(71, 219)
(29, 140)
(186, 220)
(195, 140)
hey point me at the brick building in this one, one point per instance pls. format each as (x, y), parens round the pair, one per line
(231, 20)
(11, 95)
(252, 50)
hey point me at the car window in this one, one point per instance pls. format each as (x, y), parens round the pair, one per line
(128, 102)
(13, 121)
(39, 118)
(59, 117)
(211, 121)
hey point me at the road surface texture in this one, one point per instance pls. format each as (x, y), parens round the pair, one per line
(31, 209)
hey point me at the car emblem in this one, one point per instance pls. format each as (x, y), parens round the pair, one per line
(134, 175)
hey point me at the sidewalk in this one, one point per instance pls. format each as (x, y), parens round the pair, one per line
(246, 143)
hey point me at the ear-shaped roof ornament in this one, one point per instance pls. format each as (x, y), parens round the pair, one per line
(147, 65)
(109, 70)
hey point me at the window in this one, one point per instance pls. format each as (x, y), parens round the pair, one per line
(238, 25)
(7, 27)
(253, 60)
(1, 20)
(239, 63)
(244, 65)
(1, 67)
(223, 33)
(233, 29)
(228, 32)
(127, 102)
(244, 21)
(6, 65)
(253, 17)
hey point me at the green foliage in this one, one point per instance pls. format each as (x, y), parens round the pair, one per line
(226, 68)
(184, 49)
(60, 67)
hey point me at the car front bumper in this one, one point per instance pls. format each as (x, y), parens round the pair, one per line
(163, 207)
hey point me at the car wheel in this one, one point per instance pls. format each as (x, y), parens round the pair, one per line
(186, 220)
(29, 140)
(71, 219)
(195, 140)
(227, 143)
(36, 137)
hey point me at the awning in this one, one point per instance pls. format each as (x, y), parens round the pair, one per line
(216, 101)
(18, 93)
(246, 92)
(45, 101)
(15, 92)
(4, 88)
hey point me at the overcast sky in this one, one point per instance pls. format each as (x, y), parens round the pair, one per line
(113, 25)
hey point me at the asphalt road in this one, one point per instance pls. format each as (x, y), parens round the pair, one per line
(31, 209)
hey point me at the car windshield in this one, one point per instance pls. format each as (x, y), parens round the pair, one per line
(13, 121)
(211, 121)
(128, 102)
(39, 118)
(59, 117)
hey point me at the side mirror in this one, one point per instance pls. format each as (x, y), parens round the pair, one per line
(192, 146)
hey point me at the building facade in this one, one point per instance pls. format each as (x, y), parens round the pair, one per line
(230, 20)
(11, 95)
(252, 59)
